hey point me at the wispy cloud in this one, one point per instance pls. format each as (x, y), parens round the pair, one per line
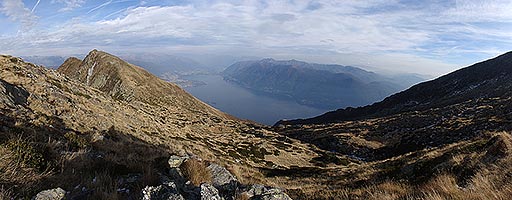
(100, 6)
(16, 11)
(403, 34)
(35, 6)
(69, 4)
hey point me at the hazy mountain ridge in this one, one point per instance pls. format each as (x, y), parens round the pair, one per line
(49, 61)
(158, 63)
(317, 85)
(486, 79)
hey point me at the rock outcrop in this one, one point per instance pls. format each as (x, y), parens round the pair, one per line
(260, 192)
(12, 95)
(168, 191)
(223, 186)
(52, 194)
(222, 178)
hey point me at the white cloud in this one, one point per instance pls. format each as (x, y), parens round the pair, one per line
(100, 6)
(69, 4)
(16, 11)
(479, 11)
(389, 33)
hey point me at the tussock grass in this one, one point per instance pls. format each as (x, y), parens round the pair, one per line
(196, 171)
(6, 193)
(18, 168)
(242, 196)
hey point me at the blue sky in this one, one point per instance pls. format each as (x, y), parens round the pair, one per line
(427, 37)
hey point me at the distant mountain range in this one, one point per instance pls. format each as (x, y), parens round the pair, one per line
(487, 79)
(317, 85)
(48, 61)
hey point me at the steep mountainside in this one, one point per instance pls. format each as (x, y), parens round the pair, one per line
(82, 133)
(486, 79)
(113, 116)
(322, 86)
(439, 135)
(128, 82)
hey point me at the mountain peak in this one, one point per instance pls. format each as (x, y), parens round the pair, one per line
(268, 60)
(127, 82)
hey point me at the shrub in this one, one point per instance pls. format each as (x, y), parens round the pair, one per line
(76, 140)
(25, 153)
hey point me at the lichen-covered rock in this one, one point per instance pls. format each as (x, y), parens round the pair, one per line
(52, 194)
(176, 161)
(221, 177)
(261, 192)
(167, 192)
(273, 196)
(208, 192)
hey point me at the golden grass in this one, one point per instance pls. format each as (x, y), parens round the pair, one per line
(13, 171)
(243, 196)
(247, 175)
(196, 171)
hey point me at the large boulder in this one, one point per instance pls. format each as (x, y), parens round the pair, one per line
(52, 194)
(168, 191)
(208, 192)
(222, 178)
(273, 196)
(261, 192)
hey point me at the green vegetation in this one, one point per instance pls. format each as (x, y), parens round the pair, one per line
(26, 153)
(76, 141)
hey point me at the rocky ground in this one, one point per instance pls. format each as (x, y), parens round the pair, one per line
(175, 184)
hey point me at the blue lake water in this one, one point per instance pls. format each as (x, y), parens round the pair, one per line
(246, 104)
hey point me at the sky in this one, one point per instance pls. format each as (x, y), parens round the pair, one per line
(398, 36)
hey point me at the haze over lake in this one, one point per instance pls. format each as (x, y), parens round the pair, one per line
(245, 104)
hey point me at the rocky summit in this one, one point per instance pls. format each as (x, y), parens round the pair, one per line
(101, 128)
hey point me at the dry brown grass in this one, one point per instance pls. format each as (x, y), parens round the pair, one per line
(491, 171)
(482, 186)
(13, 171)
(104, 186)
(243, 196)
(387, 191)
(247, 175)
(6, 193)
(196, 171)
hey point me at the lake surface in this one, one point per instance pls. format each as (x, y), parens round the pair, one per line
(246, 104)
